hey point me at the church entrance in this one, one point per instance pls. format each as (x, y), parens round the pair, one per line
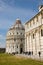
(21, 48)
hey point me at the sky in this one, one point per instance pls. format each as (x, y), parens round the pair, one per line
(10, 10)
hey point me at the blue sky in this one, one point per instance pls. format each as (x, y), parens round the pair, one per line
(10, 10)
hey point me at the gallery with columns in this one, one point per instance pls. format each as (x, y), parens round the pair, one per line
(34, 34)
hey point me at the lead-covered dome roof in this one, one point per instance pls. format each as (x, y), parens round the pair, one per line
(18, 25)
(18, 21)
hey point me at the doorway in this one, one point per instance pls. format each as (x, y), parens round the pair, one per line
(21, 48)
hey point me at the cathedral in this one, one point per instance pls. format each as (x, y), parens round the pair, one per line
(34, 34)
(28, 39)
(15, 38)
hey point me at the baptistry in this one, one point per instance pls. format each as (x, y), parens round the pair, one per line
(15, 38)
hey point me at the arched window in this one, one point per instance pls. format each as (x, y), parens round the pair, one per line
(10, 33)
(17, 32)
(21, 40)
(33, 36)
(21, 33)
(14, 39)
(42, 14)
(13, 46)
(17, 46)
(41, 32)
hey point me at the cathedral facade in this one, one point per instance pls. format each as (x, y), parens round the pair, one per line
(34, 34)
(15, 38)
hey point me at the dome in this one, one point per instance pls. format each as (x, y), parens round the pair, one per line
(18, 21)
(17, 25)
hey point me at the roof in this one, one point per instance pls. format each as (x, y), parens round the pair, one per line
(18, 21)
(34, 16)
(41, 6)
(17, 25)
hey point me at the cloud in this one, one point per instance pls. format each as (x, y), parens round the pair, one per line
(9, 14)
(2, 45)
(2, 37)
(5, 24)
(12, 10)
(2, 41)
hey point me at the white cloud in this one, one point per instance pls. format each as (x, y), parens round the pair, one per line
(10, 13)
(5, 24)
(2, 37)
(2, 41)
(14, 10)
(2, 45)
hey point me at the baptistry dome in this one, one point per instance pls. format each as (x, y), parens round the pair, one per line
(18, 24)
(18, 21)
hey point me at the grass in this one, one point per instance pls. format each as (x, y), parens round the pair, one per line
(7, 59)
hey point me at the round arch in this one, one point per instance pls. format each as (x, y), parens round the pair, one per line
(21, 48)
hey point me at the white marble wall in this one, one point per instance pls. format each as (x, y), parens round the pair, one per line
(35, 44)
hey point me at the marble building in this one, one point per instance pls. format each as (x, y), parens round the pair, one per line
(34, 34)
(15, 38)
(28, 39)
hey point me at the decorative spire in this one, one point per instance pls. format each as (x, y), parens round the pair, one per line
(18, 21)
(40, 7)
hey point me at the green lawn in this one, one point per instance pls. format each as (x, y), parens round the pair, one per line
(6, 59)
